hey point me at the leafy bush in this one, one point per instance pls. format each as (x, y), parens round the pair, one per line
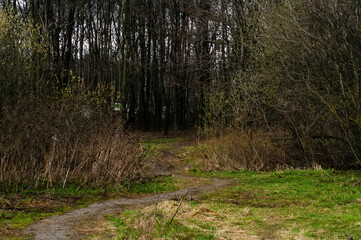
(23, 63)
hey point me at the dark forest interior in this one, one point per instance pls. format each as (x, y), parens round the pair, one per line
(277, 83)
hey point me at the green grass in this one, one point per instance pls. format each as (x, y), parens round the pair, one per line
(316, 204)
(292, 204)
(153, 147)
(164, 140)
(20, 210)
(159, 184)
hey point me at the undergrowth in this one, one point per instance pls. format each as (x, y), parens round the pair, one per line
(264, 151)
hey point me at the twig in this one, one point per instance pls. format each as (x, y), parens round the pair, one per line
(176, 211)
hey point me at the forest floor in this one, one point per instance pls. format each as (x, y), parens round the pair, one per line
(162, 159)
(183, 202)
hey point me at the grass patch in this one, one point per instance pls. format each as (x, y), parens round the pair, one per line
(157, 222)
(154, 147)
(323, 204)
(20, 210)
(164, 140)
(290, 204)
(158, 184)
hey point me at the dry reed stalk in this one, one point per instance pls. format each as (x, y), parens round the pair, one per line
(89, 150)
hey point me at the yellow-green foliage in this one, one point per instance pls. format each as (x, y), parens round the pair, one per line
(215, 112)
(22, 59)
(77, 92)
(4, 24)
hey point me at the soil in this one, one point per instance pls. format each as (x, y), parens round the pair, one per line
(65, 226)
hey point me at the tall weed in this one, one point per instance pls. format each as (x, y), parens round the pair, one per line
(264, 151)
(47, 142)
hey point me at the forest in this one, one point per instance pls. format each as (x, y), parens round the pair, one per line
(106, 99)
(276, 82)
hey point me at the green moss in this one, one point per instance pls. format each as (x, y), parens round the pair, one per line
(20, 220)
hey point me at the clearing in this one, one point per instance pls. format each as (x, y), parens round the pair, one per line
(290, 204)
(162, 160)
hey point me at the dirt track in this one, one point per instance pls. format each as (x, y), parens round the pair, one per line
(64, 226)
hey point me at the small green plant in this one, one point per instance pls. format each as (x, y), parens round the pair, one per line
(123, 230)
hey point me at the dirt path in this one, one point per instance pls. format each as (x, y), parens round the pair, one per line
(63, 226)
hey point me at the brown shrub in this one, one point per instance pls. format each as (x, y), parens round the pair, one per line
(264, 151)
(49, 142)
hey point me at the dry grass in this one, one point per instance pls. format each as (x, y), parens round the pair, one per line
(289, 204)
(241, 150)
(264, 151)
(180, 220)
(48, 143)
(97, 229)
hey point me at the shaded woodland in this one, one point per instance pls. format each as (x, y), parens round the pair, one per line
(158, 57)
(279, 80)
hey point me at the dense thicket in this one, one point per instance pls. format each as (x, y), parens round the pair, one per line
(65, 63)
(281, 74)
(300, 91)
(158, 56)
(52, 134)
